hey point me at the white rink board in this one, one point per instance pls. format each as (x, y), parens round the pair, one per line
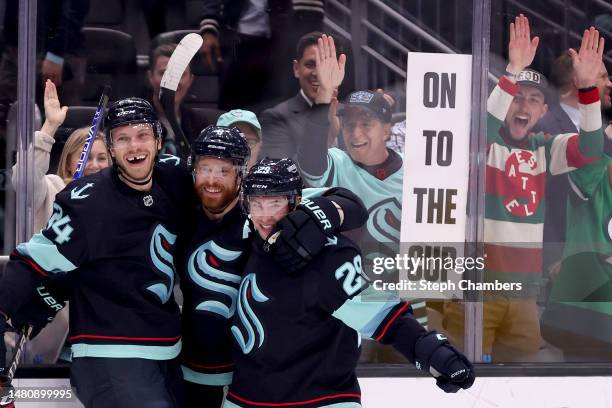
(498, 392)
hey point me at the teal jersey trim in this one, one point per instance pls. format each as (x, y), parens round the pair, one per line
(380, 197)
(365, 315)
(311, 192)
(206, 379)
(45, 253)
(126, 351)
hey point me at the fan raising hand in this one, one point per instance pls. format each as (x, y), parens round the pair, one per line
(521, 48)
(587, 61)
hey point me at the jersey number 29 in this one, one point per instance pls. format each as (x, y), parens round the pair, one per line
(351, 272)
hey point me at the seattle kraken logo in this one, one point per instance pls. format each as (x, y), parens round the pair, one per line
(160, 247)
(248, 291)
(384, 220)
(201, 268)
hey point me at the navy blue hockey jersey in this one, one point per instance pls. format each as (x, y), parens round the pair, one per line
(297, 336)
(115, 248)
(211, 276)
(214, 263)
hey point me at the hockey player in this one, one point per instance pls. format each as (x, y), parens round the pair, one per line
(296, 335)
(219, 246)
(112, 237)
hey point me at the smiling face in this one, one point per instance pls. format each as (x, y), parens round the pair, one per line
(134, 148)
(305, 70)
(98, 159)
(216, 182)
(527, 107)
(365, 136)
(266, 212)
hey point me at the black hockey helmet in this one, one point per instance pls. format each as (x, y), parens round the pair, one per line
(130, 111)
(222, 142)
(271, 177)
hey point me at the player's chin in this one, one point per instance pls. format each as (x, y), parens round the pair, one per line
(139, 171)
(264, 232)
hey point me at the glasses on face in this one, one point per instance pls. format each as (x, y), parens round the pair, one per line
(143, 137)
(219, 172)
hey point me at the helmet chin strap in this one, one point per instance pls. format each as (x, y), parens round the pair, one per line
(124, 175)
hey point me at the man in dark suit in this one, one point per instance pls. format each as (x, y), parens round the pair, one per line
(563, 117)
(250, 43)
(283, 124)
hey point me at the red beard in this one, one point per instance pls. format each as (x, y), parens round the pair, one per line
(219, 201)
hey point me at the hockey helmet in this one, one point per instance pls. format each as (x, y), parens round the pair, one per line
(130, 111)
(271, 177)
(223, 143)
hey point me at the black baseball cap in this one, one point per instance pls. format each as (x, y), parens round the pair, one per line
(533, 78)
(371, 101)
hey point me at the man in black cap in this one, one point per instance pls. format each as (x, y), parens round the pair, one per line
(518, 163)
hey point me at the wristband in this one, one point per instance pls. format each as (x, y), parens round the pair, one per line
(511, 76)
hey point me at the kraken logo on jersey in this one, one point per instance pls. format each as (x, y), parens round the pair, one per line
(202, 267)
(160, 249)
(249, 291)
(384, 220)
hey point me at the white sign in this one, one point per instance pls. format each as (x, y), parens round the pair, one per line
(436, 164)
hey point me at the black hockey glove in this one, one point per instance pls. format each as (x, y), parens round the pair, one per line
(303, 233)
(40, 310)
(449, 366)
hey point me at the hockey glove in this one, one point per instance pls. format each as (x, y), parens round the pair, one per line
(450, 367)
(303, 233)
(40, 310)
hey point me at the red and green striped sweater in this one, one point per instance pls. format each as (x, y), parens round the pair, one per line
(516, 182)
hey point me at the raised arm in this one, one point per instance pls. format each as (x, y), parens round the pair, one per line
(312, 155)
(570, 151)
(587, 62)
(43, 142)
(521, 52)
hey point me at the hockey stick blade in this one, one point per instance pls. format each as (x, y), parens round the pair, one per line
(93, 131)
(177, 64)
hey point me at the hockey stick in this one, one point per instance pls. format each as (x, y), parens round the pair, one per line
(7, 375)
(6, 378)
(93, 131)
(180, 58)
